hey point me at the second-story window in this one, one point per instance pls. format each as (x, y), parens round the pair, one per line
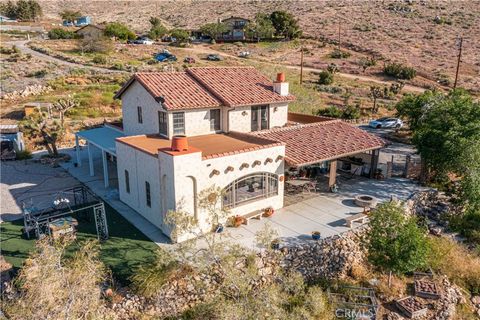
(178, 123)
(162, 123)
(147, 194)
(214, 119)
(139, 115)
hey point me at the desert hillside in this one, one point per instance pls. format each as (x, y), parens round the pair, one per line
(420, 33)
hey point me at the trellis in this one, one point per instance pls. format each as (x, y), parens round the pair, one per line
(78, 200)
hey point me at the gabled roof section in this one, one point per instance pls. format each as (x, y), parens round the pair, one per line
(238, 86)
(316, 142)
(176, 90)
(98, 26)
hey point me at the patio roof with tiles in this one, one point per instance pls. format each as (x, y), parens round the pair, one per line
(321, 141)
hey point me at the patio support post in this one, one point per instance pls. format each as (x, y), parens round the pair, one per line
(90, 160)
(332, 177)
(374, 163)
(77, 151)
(105, 168)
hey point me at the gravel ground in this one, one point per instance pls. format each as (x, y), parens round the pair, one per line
(29, 182)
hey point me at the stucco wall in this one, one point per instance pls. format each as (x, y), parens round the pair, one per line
(197, 122)
(191, 173)
(136, 96)
(242, 123)
(141, 167)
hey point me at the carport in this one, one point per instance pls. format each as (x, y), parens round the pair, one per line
(102, 138)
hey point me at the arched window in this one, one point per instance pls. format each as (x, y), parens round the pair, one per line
(249, 188)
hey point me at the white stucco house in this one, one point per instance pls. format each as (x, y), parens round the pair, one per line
(184, 132)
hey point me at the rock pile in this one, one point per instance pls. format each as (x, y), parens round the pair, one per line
(32, 90)
(433, 206)
(330, 258)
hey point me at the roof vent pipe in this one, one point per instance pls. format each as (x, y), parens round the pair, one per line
(179, 143)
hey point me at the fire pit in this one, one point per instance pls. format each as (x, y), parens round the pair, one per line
(412, 307)
(365, 201)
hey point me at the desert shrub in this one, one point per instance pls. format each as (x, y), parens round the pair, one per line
(351, 112)
(366, 63)
(119, 31)
(399, 71)
(339, 54)
(455, 261)
(37, 74)
(148, 280)
(23, 155)
(325, 78)
(94, 45)
(331, 111)
(330, 89)
(48, 283)
(5, 50)
(99, 59)
(59, 33)
(118, 66)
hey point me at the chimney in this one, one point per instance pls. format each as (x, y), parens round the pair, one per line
(280, 86)
(179, 143)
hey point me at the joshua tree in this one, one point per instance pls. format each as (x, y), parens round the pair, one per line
(62, 106)
(47, 132)
(375, 92)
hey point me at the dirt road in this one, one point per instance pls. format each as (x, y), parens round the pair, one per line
(407, 87)
(22, 45)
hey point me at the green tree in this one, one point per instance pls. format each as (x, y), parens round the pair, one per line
(47, 132)
(180, 35)
(213, 30)
(285, 24)
(70, 15)
(331, 111)
(260, 28)
(119, 31)
(395, 243)
(26, 10)
(157, 30)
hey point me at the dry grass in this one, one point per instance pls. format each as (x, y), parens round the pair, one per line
(390, 29)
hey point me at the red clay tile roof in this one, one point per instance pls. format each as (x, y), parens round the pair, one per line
(177, 90)
(316, 142)
(238, 86)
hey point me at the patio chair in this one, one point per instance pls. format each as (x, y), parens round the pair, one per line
(310, 187)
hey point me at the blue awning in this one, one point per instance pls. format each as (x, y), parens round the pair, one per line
(103, 138)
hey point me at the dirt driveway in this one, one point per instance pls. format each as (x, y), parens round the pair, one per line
(30, 183)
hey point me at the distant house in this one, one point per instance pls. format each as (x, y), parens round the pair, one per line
(91, 31)
(82, 21)
(236, 27)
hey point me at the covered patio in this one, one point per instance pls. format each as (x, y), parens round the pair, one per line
(99, 140)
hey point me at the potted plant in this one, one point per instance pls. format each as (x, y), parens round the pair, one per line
(316, 235)
(268, 212)
(238, 221)
(275, 244)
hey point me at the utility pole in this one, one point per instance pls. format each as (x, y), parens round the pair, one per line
(301, 65)
(339, 32)
(458, 61)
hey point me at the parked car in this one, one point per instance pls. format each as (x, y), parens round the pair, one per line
(165, 56)
(244, 54)
(386, 123)
(214, 57)
(189, 60)
(141, 40)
